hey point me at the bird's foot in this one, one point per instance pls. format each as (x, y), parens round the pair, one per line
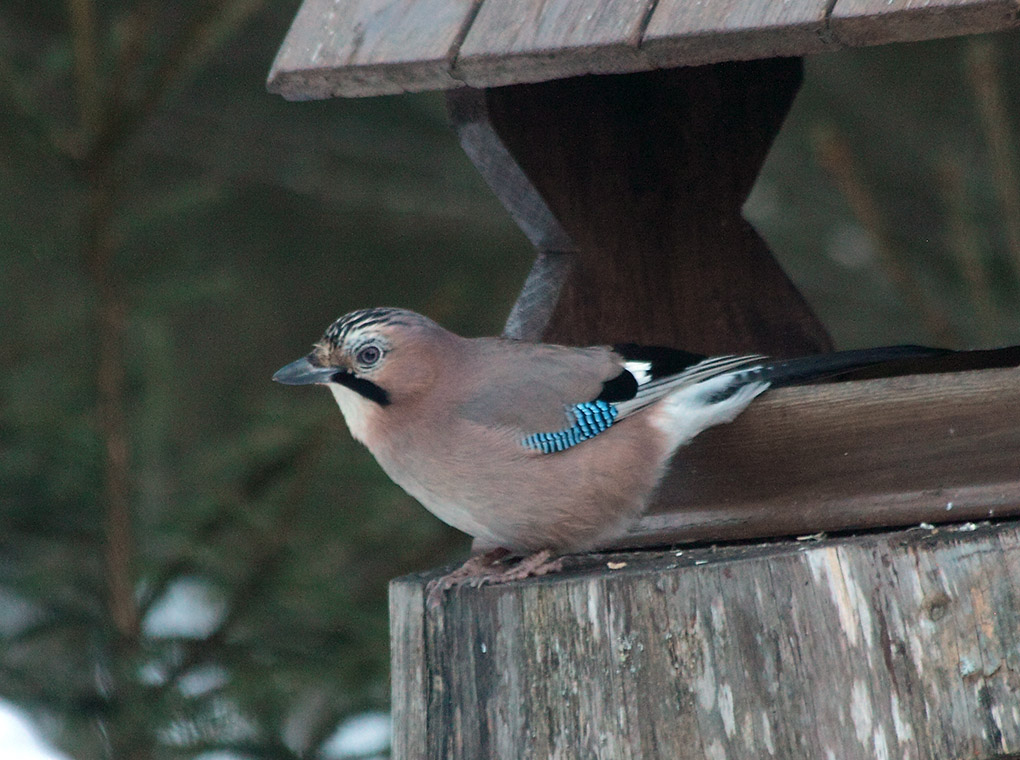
(487, 569)
(532, 566)
(477, 566)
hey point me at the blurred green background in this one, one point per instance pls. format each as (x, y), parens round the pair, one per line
(194, 560)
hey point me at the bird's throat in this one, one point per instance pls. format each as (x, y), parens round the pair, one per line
(357, 410)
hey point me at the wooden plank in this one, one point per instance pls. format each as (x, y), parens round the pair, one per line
(514, 41)
(657, 220)
(379, 47)
(886, 645)
(875, 22)
(470, 116)
(892, 584)
(863, 454)
(647, 174)
(1001, 618)
(469, 113)
(369, 47)
(806, 713)
(407, 655)
(531, 312)
(684, 33)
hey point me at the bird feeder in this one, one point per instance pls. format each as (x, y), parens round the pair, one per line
(623, 137)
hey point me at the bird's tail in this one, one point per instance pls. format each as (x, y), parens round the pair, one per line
(716, 390)
(806, 369)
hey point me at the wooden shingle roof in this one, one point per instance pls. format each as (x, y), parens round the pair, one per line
(375, 47)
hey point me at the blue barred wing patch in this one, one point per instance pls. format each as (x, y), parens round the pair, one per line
(592, 417)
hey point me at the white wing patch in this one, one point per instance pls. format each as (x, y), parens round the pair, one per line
(642, 371)
(686, 412)
(652, 390)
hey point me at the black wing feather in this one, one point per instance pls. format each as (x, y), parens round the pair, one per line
(623, 387)
(663, 361)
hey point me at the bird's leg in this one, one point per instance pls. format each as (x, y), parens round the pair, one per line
(476, 566)
(485, 568)
(531, 566)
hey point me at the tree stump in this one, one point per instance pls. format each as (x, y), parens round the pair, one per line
(898, 645)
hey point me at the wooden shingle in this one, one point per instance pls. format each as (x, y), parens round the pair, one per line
(379, 47)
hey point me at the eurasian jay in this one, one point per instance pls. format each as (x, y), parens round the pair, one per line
(528, 447)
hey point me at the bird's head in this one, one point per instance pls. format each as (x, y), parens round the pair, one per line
(381, 354)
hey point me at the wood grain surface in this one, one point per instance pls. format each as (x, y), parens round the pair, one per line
(378, 47)
(876, 22)
(863, 454)
(897, 645)
(680, 31)
(469, 113)
(514, 41)
(647, 174)
(370, 47)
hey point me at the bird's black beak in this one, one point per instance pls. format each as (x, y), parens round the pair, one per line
(303, 372)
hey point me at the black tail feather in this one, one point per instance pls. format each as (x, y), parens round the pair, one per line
(808, 369)
(857, 364)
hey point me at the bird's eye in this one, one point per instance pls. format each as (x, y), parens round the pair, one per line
(369, 355)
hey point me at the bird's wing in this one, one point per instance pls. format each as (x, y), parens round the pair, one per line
(556, 396)
(530, 387)
(660, 371)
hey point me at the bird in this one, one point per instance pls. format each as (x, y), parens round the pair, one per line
(534, 450)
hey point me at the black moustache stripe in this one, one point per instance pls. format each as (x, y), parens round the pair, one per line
(363, 387)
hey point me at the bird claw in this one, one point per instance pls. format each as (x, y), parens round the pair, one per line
(532, 566)
(485, 569)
